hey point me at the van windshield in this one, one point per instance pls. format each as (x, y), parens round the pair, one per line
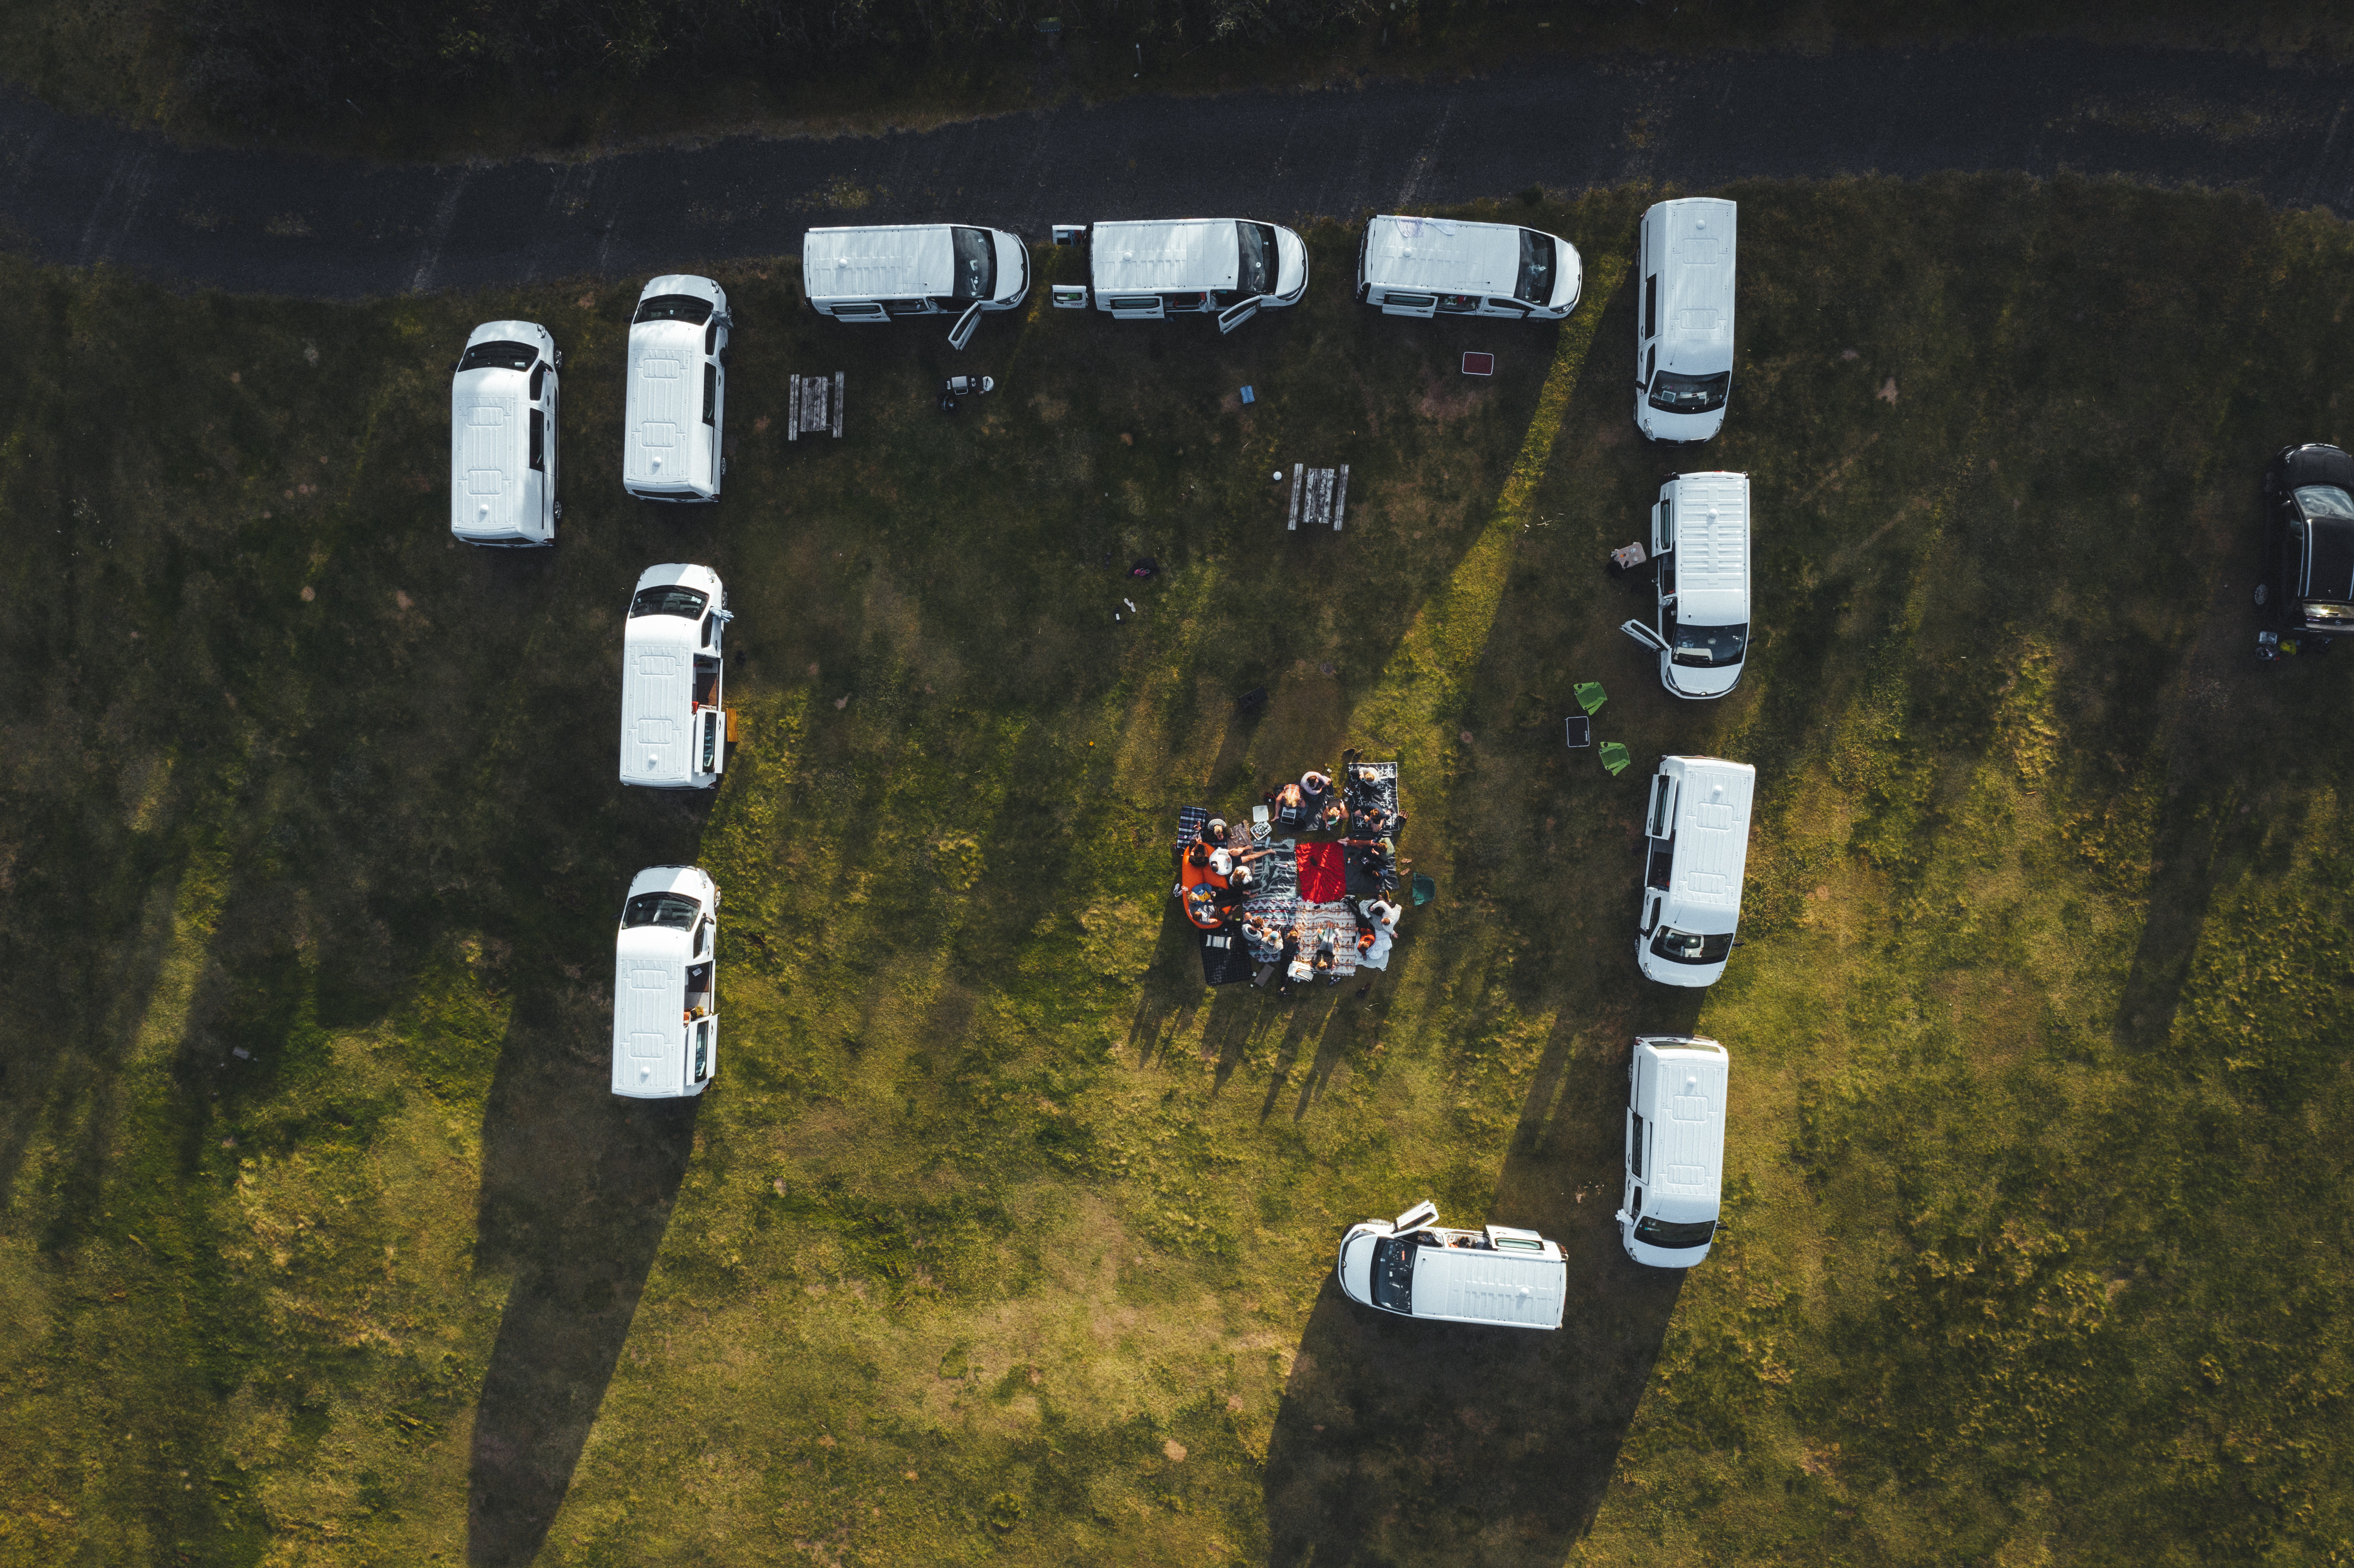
(1689, 394)
(1710, 644)
(1539, 256)
(673, 308)
(1394, 1273)
(668, 600)
(504, 355)
(672, 911)
(1258, 259)
(1664, 1234)
(2313, 500)
(1688, 947)
(976, 264)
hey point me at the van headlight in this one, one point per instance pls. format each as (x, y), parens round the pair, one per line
(2336, 614)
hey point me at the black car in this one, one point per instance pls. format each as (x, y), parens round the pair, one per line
(2307, 590)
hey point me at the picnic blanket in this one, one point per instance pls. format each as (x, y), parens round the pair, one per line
(1369, 875)
(1321, 876)
(1225, 958)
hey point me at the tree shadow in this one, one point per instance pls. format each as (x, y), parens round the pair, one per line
(1399, 1441)
(578, 1186)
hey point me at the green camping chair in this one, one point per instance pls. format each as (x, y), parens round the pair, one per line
(1591, 697)
(1614, 756)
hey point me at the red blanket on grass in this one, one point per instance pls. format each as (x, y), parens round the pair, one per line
(1323, 873)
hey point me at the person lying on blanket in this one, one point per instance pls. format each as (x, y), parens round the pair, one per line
(1232, 862)
(1364, 786)
(1324, 962)
(1213, 833)
(1244, 877)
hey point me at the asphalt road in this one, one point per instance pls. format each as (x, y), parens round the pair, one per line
(84, 192)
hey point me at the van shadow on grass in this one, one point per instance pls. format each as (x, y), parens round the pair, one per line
(1401, 1442)
(578, 1187)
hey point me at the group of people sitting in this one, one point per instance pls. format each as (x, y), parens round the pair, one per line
(1301, 956)
(1368, 828)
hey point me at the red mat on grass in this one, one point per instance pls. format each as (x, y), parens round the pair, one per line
(1323, 873)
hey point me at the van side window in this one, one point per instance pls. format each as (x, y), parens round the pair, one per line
(538, 379)
(861, 313)
(538, 440)
(708, 622)
(1635, 1147)
(1651, 306)
(1661, 787)
(710, 393)
(907, 307)
(1667, 520)
(711, 336)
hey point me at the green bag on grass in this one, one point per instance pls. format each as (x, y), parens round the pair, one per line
(1614, 756)
(1591, 697)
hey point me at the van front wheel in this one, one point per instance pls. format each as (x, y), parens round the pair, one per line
(2263, 593)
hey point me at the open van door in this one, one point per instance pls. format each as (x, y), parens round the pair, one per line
(1413, 1219)
(1644, 635)
(961, 333)
(1234, 316)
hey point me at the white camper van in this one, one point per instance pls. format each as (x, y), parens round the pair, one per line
(1408, 1266)
(1683, 319)
(1230, 267)
(1697, 844)
(666, 985)
(878, 274)
(673, 674)
(677, 398)
(1700, 549)
(1675, 1149)
(1445, 267)
(502, 398)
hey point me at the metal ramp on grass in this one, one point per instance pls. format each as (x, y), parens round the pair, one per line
(812, 404)
(1319, 495)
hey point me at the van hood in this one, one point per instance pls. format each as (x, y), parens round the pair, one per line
(1012, 268)
(1291, 264)
(1356, 1270)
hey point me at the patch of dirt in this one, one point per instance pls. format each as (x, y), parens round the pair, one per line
(1448, 396)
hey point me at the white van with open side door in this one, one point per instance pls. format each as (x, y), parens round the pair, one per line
(674, 723)
(503, 399)
(675, 412)
(1699, 550)
(1696, 843)
(1514, 1279)
(1446, 267)
(882, 273)
(666, 985)
(1683, 318)
(1675, 1149)
(1155, 269)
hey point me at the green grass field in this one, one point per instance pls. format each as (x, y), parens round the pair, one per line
(998, 1239)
